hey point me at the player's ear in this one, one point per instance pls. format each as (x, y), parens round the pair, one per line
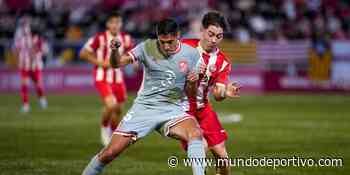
(202, 29)
(178, 34)
(106, 25)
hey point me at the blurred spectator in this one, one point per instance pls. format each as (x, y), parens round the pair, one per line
(261, 19)
(194, 29)
(75, 20)
(74, 34)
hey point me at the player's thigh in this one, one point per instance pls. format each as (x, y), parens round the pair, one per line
(119, 91)
(110, 101)
(24, 77)
(185, 129)
(106, 94)
(36, 76)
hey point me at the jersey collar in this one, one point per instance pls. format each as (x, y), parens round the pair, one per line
(178, 48)
(201, 50)
(109, 35)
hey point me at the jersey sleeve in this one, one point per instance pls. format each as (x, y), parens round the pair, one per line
(129, 43)
(137, 53)
(192, 100)
(92, 44)
(199, 61)
(224, 73)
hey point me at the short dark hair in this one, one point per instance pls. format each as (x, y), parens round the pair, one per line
(114, 14)
(167, 26)
(214, 18)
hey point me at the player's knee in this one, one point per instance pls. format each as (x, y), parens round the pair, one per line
(117, 109)
(108, 154)
(110, 102)
(25, 81)
(219, 150)
(111, 106)
(194, 134)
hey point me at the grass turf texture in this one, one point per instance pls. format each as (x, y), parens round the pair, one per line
(62, 139)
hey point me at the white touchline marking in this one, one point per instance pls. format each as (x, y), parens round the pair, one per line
(230, 117)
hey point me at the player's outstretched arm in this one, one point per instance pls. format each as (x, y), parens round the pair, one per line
(90, 57)
(116, 60)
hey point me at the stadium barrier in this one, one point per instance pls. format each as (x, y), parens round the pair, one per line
(68, 79)
(261, 66)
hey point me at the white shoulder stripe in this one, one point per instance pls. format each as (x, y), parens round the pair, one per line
(224, 64)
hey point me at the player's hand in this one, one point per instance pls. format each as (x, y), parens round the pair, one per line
(115, 44)
(233, 90)
(192, 76)
(104, 64)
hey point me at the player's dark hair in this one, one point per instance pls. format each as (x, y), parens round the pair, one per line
(166, 27)
(214, 18)
(114, 14)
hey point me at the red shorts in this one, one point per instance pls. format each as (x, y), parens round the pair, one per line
(118, 90)
(212, 129)
(34, 75)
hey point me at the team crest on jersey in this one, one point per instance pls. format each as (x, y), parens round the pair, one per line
(206, 78)
(212, 68)
(183, 66)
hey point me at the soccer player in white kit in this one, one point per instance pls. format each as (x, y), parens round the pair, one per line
(170, 72)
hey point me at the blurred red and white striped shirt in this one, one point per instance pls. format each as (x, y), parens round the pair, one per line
(30, 50)
(99, 44)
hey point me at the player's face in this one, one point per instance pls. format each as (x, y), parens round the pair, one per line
(168, 43)
(212, 36)
(114, 25)
(26, 30)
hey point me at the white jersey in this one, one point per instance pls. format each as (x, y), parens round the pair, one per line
(30, 50)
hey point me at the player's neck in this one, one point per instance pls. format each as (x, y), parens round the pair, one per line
(205, 47)
(113, 34)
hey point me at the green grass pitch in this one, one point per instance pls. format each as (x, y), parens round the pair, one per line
(62, 139)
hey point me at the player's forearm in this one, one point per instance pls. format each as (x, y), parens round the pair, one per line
(191, 89)
(191, 92)
(115, 59)
(85, 55)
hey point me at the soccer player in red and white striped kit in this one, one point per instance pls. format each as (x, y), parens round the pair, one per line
(215, 79)
(29, 48)
(108, 81)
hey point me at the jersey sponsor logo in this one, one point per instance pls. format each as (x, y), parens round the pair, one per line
(183, 66)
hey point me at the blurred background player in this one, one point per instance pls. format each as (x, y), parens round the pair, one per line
(29, 48)
(215, 77)
(108, 81)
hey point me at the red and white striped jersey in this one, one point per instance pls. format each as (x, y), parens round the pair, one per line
(99, 44)
(30, 50)
(217, 71)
